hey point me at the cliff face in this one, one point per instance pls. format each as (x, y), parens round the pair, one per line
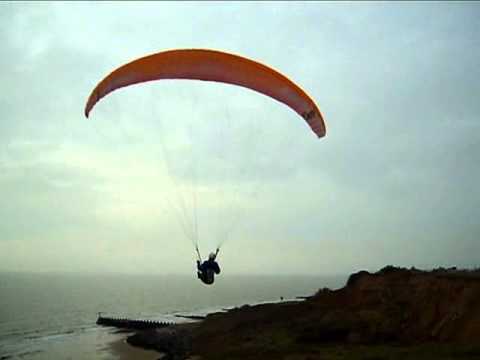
(392, 306)
(407, 306)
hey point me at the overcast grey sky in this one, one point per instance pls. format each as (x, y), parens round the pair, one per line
(395, 181)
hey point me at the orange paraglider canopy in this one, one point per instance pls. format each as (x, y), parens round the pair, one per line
(212, 65)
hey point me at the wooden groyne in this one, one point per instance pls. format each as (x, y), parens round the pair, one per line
(125, 323)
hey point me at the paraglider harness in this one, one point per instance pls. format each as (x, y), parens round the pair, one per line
(206, 271)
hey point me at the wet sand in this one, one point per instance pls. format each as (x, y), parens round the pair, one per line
(123, 351)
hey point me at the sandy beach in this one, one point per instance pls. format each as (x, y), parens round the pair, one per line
(123, 351)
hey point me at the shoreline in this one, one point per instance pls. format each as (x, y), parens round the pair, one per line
(121, 349)
(143, 341)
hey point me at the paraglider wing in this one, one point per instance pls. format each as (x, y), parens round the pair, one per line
(212, 65)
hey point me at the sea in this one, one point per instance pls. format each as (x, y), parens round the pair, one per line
(53, 315)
